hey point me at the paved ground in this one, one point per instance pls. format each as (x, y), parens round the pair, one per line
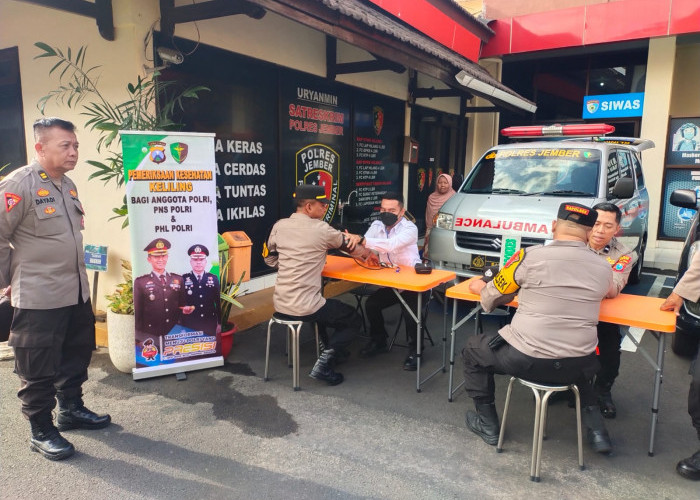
(225, 433)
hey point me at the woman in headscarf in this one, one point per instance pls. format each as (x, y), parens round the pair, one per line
(443, 192)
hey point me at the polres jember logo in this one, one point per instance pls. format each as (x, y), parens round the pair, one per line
(320, 165)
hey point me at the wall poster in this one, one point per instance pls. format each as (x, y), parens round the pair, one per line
(683, 146)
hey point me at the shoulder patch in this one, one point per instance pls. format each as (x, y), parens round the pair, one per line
(44, 176)
(11, 200)
(621, 263)
(505, 279)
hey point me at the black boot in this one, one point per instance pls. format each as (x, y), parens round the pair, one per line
(323, 369)
(689, 467)
(74, 415)
(605, 401)
(47, 440)
(597, 433)
(484, 422)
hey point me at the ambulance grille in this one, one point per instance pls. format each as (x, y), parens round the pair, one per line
(482, 242)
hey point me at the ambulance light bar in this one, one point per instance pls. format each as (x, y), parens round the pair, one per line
(582, 130)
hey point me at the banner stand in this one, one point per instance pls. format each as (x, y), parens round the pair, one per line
(176, 368)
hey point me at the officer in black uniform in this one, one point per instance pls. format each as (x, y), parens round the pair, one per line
(201, 292)
(159, 296)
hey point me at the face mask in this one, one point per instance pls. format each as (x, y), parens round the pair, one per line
(388, 219)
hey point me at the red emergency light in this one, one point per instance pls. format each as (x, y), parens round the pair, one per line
(581, 130)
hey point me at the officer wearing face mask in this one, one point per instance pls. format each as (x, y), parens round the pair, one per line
(395, 239)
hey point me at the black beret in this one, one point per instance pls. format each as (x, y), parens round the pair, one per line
(580, 214)
(311, 192)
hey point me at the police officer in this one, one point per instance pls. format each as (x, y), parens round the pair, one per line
(158, 296)
(689, 288)
(552, 337)
(201, 292)
(621, 259)
(41, 258)
(297, 247)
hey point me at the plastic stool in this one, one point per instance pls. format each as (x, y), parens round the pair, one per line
(542, 393)
(293, 331)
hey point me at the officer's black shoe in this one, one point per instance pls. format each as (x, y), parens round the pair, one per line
(598, 436)
(47, 440)
(411, 362)
(689, 467)
(323, 370)
(373, 347)
(607, 407)
(484, 422)
(74, 415)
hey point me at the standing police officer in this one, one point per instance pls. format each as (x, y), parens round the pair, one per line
(158, 296)
(552, 337)
(688, 288)
(202, 293)
(621, 259)
(41, 258)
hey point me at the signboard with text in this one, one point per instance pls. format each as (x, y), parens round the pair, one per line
(613, 105)
(171, 197)
(314, 131)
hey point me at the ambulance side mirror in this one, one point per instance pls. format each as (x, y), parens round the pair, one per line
(624, 188)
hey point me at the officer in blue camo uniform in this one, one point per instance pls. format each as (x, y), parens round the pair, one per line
(201, 292)
(158, 296)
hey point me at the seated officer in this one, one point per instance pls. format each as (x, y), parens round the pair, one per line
(552, 337)
(621, 259)
(297, 247)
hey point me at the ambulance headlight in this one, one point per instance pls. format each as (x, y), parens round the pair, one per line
(444, 221)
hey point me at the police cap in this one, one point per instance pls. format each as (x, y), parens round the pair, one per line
(580, 214)
(159, 246)
(311, 192)
(198, 252)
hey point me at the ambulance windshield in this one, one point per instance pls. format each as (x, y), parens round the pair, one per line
(538, 171)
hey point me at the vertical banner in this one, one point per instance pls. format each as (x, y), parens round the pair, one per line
(171, 197)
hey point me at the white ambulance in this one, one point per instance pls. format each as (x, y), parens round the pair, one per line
(512, 194)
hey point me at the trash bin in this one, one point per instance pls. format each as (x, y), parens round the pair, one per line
(239, 247)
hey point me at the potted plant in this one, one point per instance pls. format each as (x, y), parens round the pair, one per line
(227, 298)
(122, 323)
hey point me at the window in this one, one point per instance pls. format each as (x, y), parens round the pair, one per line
(613, 171)
(638, 171)
(13, 150)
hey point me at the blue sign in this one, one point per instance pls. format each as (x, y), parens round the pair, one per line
(96, 258)
(613, 105)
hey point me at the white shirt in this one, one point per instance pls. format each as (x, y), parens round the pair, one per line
(397, 247)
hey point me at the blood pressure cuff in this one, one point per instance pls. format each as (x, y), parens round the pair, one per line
(505, 279)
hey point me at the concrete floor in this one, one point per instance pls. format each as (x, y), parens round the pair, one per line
(225, 433)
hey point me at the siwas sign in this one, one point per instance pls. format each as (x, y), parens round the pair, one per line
(613, 105)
